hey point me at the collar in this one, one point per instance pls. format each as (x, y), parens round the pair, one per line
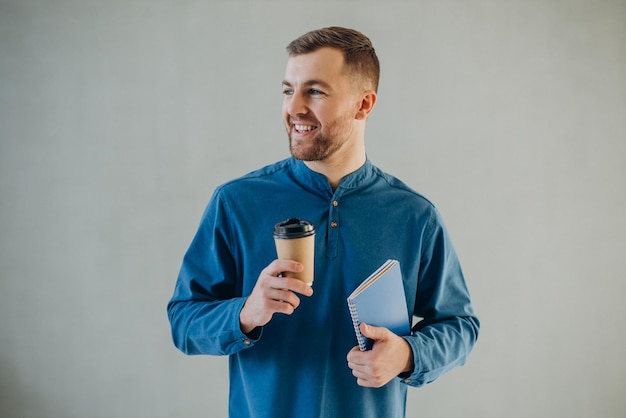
(316, 181)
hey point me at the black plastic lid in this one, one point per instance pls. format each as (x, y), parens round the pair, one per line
(293, 228)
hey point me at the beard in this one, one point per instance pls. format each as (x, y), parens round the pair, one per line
(323, 145)
(318, 148)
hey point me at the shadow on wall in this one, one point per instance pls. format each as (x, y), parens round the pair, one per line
(17, 399)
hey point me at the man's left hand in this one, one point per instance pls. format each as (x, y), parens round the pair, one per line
(390, 356)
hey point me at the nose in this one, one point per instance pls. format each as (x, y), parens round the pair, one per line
(295, 104)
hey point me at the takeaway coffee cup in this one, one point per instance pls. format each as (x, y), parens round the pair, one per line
(295, 240)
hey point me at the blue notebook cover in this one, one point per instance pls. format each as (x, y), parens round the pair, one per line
(379, 301)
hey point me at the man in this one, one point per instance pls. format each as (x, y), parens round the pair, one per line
(292, 347)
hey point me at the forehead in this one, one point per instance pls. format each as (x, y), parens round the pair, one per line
(325, 64)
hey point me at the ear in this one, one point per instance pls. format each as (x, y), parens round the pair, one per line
(368, 100)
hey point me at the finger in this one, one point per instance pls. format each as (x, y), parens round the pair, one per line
(368, 383)
(293, 285)
(279, 266)
(358, 370)
(360, 375)
(364, 380)
(375, 333)
(284, 296)
(298, 286)
(355, 355)
(283, 307)
(357, 362)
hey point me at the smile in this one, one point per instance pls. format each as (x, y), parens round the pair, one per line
(304, 128)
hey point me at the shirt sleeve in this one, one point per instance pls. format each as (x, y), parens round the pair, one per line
(449, 329)
(204, 310)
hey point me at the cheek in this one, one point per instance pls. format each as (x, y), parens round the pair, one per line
(337, 116)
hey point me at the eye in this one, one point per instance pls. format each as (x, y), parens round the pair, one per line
(287, 92)
(315, 92)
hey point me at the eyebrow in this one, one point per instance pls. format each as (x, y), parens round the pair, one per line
(310, 83)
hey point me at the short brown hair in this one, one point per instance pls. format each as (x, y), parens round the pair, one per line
(358, 52)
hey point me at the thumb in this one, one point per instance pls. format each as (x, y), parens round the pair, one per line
(375, 333)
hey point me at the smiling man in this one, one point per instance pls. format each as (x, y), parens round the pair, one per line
(324, 112)
(292, 349)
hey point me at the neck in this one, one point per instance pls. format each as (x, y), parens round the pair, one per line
(337, 167)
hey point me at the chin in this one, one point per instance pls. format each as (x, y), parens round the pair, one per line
(314, 149)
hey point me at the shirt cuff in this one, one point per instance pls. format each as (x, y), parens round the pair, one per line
(248, 340)
(412, 378)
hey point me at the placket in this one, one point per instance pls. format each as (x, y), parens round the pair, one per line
(333, 227)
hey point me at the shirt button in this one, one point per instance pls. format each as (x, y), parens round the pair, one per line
(335, 203)
(246, 342)
(333, 224)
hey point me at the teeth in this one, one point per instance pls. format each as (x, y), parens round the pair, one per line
(304, 127)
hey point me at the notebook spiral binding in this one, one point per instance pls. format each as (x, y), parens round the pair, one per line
(356, 323)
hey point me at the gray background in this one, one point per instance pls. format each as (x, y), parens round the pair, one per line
(118, 118)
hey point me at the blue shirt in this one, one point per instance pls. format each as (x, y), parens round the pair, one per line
(297, 366)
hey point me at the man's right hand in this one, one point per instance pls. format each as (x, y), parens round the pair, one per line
(273, 294)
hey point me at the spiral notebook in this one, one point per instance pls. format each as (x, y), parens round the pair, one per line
(380, 301)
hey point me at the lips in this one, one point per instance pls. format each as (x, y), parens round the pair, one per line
(303, 127)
